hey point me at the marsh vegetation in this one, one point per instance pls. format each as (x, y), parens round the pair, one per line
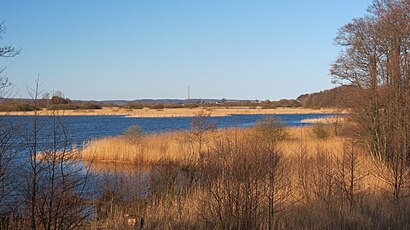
(345, 175)
(268, 176)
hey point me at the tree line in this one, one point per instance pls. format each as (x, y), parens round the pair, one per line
(375, 59)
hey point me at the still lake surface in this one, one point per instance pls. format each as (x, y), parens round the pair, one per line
(82, 128)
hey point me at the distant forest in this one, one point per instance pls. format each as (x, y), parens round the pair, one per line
(338, 97)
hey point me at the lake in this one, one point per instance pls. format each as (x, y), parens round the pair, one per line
(83, 128)
(80, 129)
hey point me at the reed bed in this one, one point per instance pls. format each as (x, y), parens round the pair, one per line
(223, 184)
(150, 149)
(146, 150)
(177, 146)
(182, 148)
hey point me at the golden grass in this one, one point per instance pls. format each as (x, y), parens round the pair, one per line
(179, 147)
(146, 150)
(178, 112)
(174, 146)
(180, 210)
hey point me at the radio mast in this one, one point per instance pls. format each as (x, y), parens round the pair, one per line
(189, 92)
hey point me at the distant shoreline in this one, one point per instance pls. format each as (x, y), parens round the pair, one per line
(175, 112)
(325, 120)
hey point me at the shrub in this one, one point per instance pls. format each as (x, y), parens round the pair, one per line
(270, 129)
(60, 100)
(175, 106)
(89, 106)
(133, 132)
(320, 131)
(17, 107)
(269, 106)
(157, 106)
(62, 107)
(132, 105)
(191, 105)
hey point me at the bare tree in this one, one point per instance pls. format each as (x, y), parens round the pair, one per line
(200, 126)
(375, 57)
(350, 172)
(9, 148)
(8, 143)
(7, 51)
(57, 186)
(194, 140)
(246, 182)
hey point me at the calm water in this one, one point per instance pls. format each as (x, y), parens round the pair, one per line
(83, 128)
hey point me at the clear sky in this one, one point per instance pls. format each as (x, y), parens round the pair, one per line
(244, 49)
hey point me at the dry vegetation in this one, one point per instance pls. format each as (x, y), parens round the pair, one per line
(347, 175)
(267, 176)
(176, 146)
(179, 112)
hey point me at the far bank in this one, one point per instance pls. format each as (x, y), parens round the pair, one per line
(177, 112)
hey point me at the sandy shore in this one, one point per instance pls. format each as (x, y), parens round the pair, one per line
(326, 120)
(176, 112)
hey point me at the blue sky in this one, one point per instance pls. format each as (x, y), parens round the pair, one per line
(121, 49)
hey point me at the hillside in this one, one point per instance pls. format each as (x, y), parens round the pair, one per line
(338, 97)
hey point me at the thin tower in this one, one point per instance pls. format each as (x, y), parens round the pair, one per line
(189, 92)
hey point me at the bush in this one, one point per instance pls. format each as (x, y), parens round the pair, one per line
(134, 133)
(59, 100)
(17, 107)
(89, 106)
(270, 129)
(320, 131)
(62, 107)
(191, 105)
(157, 106)
(132, 105)
(269, 106)
(174, 106)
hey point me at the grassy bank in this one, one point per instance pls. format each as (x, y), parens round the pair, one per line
(267, 176)
(174, 112)
(188, 148)
(180, 146)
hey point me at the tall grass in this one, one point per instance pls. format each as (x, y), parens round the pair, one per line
(175, 146)
(239, 180)
(147, 150)
(179, 147)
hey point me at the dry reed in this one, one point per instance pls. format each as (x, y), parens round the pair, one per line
(178, 147)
